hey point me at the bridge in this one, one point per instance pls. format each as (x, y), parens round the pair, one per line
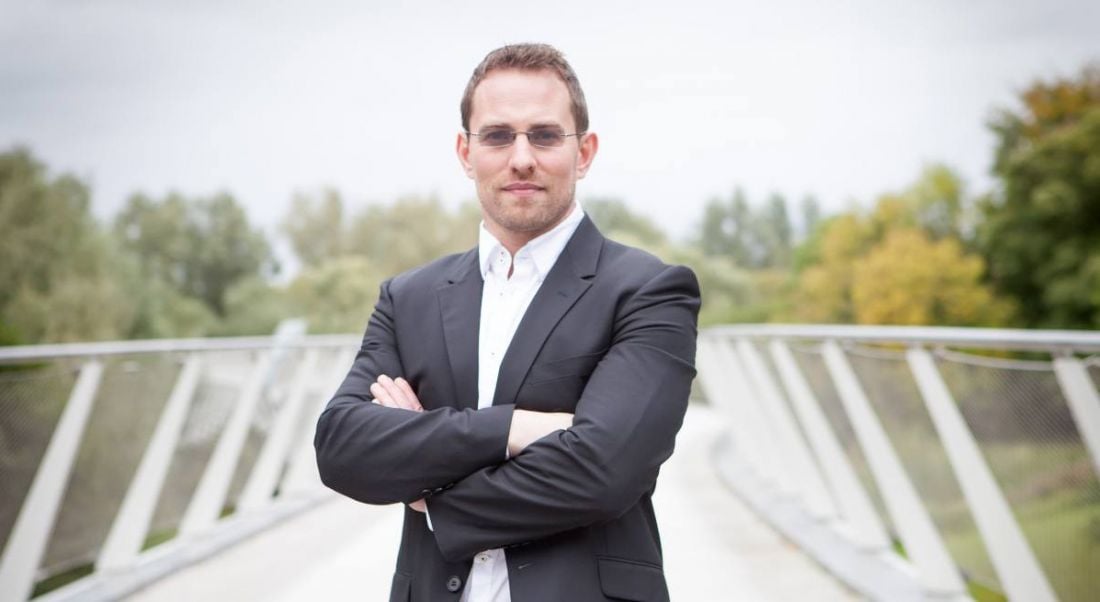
(816, 463)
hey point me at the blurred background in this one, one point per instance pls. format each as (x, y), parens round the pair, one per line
(208, 169)
(212, 169)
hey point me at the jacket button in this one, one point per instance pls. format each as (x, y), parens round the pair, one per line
(454, 584)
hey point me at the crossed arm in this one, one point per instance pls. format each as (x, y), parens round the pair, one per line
(526, 427)
(563, 471)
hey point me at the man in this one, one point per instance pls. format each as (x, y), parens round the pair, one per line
(525, 393)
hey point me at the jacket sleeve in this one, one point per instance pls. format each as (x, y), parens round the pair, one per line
(624, 428)
(381, 455)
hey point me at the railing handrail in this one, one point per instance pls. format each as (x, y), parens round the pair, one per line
(1053, 341)
(105, 348)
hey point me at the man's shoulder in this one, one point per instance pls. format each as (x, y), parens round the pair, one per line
(435, 272)
(634, 263)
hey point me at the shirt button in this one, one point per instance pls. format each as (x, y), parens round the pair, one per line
(483, 558)
(454, 584)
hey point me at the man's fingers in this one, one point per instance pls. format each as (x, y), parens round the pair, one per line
(409, 393)
(382, 396)
(401, 397)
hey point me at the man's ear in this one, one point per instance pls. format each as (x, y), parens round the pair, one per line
(462, 149)
(590, 143)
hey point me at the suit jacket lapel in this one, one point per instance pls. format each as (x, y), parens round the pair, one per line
(460, 309)
(567, 281)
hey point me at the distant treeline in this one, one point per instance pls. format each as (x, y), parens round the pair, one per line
(1025, 254)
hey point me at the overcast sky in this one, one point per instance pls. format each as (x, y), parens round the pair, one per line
(843, 100)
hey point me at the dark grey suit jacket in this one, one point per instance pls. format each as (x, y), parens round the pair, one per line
(610, 336)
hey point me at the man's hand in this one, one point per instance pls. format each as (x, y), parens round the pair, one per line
(529, 426)
(395, 393)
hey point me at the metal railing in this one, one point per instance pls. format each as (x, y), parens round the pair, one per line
(915, 463)
(919, 463)
(123, 461)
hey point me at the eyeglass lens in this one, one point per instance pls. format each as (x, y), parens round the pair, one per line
(544, 137)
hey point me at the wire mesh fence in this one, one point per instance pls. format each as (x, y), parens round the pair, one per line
(1027, 434)
(32, 397)
(128, 403)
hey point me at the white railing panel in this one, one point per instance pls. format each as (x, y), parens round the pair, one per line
(1084, 403)
(209, 498)
(260, 487)
(1012, 557)
(27, 542)
(725, 393)
(131, 524)
(811, 485)
(918, 533)
(302, 475)
(772, 458)
(855, 505)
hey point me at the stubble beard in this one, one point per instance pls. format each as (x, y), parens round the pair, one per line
(530, 217)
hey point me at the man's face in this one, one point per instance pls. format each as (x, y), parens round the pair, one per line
(524, 190)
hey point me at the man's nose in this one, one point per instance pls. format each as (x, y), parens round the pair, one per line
(523, 155)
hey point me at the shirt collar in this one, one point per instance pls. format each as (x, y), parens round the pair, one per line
(543, 249)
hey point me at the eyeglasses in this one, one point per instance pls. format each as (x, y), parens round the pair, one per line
(540, 137)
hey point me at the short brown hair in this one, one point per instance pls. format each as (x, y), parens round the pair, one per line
(528, 57)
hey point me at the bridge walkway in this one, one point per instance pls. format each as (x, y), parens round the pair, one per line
(715, 548)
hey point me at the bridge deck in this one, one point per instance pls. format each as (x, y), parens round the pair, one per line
(715, 549)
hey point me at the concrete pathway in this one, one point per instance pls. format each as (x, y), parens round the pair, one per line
(715, 549)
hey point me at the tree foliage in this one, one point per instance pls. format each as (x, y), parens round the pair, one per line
(58, 270)
(911, 279)
(756, 239)
(903, 262)
(1040, 231)
(201, 247)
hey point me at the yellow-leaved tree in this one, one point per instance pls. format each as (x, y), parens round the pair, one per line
(910, 279)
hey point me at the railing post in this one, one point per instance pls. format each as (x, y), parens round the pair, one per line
(722, 394)
(27, 542)
(301, 474)
(1084, 403)
(760, 435)
(923, 544)
(1012, 557)
(209, 497)
(855, 506)
(131, 524)
(811, 487)
(261, 483)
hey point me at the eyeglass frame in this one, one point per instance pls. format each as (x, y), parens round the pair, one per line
(515, 134)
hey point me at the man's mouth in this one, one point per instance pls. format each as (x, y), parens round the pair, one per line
(522, 188)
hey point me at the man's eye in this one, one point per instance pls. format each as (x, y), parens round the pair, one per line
(545, 137)
(497, 137)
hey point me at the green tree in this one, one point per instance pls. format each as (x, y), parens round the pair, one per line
(316, 227)
(336, 296)
(1040, 230)
(760, 238)
(201, 247)
(410, 232)
(58, 268)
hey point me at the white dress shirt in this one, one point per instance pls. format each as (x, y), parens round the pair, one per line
(504, 300)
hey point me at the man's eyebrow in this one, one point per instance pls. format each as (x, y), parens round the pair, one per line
(508, 126)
